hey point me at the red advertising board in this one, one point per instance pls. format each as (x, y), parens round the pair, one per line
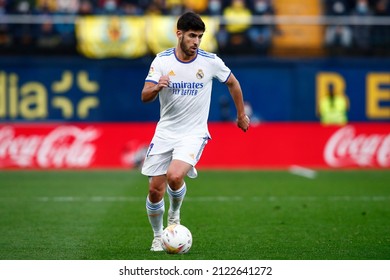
(268, 145)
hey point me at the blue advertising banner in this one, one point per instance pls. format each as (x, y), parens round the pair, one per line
(73, 90)
(82, 90)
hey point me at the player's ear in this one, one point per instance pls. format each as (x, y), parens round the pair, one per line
(179, 33)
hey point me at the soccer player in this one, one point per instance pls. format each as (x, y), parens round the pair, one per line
(182, 79)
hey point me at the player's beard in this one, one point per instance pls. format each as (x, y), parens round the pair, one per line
(187, 50)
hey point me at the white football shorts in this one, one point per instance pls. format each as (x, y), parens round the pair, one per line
(162, 152)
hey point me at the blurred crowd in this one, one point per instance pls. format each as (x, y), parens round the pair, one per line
(244, 38)
(360, 38)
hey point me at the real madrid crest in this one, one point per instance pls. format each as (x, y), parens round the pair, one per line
(200, 74)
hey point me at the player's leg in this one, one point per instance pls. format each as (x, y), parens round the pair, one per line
(155, 208)
(176, 189)
(185, 156)
(155, 167)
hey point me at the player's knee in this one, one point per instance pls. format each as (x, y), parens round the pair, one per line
(175, 180)
(155, 195)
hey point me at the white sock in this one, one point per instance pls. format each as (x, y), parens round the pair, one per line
(155, 213)
(176, 198)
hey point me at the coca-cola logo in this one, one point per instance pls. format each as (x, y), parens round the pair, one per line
(347, 148)
(64, 146)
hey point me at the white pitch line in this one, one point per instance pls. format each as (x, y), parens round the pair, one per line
(99, 199)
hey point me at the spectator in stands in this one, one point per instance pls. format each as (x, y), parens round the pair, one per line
(5, 38)
(68, 6)
(174, 7)
(66, 30)
(260, 35)
(214, 8)
(382, 8)
(338, 36)
(197, 6)
(131, 8)
(109, 7)
(46, 36)
(85, 8)
(362, 33)
(381, 33)
(4, 4)
(22, 34)
(46, 5)
(3, 7)
(238, 21)
(155, 7)
(21, 7)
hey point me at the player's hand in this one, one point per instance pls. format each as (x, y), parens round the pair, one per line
(163, 82)
(243, 122)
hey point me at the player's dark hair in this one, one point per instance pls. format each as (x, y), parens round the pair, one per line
(190, 21)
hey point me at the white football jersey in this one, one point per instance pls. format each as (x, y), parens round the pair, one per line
(185, 103)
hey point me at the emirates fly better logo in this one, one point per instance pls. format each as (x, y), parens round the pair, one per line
(185, 88)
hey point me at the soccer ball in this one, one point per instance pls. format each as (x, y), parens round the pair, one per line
(176, 239)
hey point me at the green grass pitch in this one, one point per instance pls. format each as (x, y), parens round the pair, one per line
(233, 215)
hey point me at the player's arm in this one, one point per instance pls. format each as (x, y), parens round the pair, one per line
(151, 90)
(236, 93)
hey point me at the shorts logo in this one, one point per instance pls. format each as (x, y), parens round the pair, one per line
(200, 74)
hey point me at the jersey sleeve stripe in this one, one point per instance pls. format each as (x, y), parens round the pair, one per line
(227, 77)
(167, 52)
(151, 81)
(206, 54)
